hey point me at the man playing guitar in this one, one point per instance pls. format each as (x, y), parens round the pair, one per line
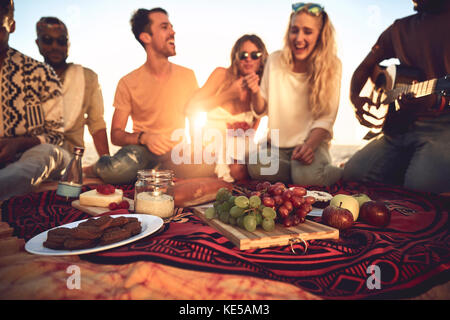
(414, 149)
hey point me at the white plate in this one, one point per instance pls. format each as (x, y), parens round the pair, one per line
(149, 224)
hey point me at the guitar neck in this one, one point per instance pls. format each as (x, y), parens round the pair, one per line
(420, 89)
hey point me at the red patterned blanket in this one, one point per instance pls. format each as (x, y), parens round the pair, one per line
(403, 260)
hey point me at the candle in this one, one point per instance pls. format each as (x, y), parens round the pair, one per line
(158, 205)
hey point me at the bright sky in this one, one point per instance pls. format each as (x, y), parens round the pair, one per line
(101, 37)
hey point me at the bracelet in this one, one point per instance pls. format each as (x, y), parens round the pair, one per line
(139, 138)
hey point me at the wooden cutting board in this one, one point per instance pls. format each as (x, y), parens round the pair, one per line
(259, 239)
(95, 211)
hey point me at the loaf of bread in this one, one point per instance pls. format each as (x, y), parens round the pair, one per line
(93, 198)
(193, 192)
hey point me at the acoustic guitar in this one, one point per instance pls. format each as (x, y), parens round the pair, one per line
(388, 86)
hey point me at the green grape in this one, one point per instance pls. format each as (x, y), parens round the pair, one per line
(237, 212)
(231, 200)
(268, 224)
(224, 217)
(232, 221)
(255, 201)
(223, 195)
(240, 222)
(250, 223)
(210, 213)
(269, 213)
(259, 218)
(216, 204)
(242, 202)
(226, 206)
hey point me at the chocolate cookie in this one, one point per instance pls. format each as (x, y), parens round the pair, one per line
(119, 221)
(77, 244)
(102, 223)
(113, 235)
(87, 232)
(56, 238)
(133, 227)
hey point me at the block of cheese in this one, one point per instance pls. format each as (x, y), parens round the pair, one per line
(95, 199)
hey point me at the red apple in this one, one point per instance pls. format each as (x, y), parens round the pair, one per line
(337, 217)
(375, 213)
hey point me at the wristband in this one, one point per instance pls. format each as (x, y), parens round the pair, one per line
(139, 138)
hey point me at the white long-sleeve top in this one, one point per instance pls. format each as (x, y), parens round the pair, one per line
(286, 93)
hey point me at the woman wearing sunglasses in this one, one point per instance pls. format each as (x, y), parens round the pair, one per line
(300, 94)
(226, 95)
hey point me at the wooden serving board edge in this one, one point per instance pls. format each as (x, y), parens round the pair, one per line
(95, 211)
(281, 236)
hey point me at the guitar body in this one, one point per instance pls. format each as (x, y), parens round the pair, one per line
(386, 87)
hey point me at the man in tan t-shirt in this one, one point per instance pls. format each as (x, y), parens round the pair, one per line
(83, 100)
(154, 96)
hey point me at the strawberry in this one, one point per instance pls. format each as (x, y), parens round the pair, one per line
(124, 204)
(113, 206)
(105, 189)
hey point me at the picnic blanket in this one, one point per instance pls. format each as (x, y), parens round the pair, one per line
(411, 254)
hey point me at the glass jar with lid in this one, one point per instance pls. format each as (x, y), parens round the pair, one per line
(153, 193)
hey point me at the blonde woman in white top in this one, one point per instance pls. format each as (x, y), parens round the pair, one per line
(226, 95)
(300, 94)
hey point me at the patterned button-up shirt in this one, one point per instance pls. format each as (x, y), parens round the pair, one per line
(31, 103)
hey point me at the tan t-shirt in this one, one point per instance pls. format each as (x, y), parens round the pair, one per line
(91, 113)
(156, 106)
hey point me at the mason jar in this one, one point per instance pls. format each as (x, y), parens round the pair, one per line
(153, 193)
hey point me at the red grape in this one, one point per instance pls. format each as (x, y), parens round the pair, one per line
(288, 205)
(296, 201)
(310, 200)
(287, 222)
(296, 220)
(278, 191)
(266, 184)
(278, 200)
(268, 202)
(283, 211)
(287, 195)
(301, 213)
(299, 191)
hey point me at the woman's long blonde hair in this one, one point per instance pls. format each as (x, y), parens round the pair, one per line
(233, 69)
(324, 70)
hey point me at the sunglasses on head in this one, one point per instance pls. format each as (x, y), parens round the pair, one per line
(47, 40)
(313, 8)
(255, 55)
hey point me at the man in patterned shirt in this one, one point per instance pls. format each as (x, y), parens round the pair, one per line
(31, 117)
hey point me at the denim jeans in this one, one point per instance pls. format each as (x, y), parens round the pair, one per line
(418, 159)
(320, 173)
(122, 167)
(36, 165)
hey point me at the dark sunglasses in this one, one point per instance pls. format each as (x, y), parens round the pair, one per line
(255, 55)
(47, 40)
(313, 8)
